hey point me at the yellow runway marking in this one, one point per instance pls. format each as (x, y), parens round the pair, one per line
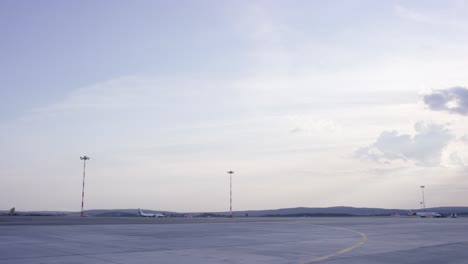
(358, 244)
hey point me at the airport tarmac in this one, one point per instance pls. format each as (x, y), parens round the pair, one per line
(338, 240)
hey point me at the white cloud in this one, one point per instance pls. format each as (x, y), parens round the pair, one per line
(455, 155)
(425, 147)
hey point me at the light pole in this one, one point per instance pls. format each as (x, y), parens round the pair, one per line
(423, 201)
(230, 192)
(84, 159)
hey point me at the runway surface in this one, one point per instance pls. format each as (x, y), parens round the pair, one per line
(363, 240)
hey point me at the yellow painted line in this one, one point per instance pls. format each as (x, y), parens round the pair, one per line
(358, 244)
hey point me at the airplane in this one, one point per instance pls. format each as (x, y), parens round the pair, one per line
(426, 214)
(12, 211)
(142, 214)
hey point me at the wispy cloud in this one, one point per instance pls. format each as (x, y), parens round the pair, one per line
(411, 14)
(454, 17)
(152, 97)
(452, 100)
(301, 124)
(123, 92)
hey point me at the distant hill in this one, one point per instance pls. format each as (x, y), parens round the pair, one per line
(108, 212)
(327, 211)
(344, 211)
(37, 213)
(118, 212)
(283, 212)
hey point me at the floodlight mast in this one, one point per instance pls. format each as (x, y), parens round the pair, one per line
(423, 201)
(84, 159)
(230, 192)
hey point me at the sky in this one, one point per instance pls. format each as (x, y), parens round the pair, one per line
(310, 103)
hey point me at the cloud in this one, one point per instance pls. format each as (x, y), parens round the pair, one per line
(424, 148)
(152, 99)
(453, 100)
(302, 124)
(464, 138)
(456, 154)
(411, 14)
(453, 17)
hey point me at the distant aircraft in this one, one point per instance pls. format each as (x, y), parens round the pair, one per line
(142, 214)
(12, 211)
(425, 214)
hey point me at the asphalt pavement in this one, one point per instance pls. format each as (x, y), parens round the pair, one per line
(338, 240)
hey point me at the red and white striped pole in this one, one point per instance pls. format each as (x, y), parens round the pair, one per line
(230, 193)
(84, 159)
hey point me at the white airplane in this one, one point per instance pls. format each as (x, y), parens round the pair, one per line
(142, 214)
(426, 214)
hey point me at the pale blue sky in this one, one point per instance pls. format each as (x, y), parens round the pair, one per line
(303, 99)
